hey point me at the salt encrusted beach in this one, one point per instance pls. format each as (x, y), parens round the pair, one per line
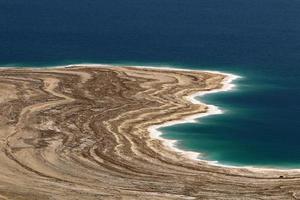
(90, 132)
(211, 110)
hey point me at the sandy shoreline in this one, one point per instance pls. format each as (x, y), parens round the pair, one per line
(212, 110)
(227, 85)
(153, 130)
(90, 131)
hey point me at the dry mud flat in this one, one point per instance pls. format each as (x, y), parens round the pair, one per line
(82, 133)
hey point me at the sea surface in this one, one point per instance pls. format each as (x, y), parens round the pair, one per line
(256, 39)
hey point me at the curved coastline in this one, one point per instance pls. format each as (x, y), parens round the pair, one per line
(155, 133)
(85, 130)
(212, 110)
(227, 85)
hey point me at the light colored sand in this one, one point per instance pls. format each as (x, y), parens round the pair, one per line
(83, 133)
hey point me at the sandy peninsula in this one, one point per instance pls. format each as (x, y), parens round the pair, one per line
(87, 132)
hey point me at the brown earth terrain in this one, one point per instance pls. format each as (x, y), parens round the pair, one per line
(82, 133)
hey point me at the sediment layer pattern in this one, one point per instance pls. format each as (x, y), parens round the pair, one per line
(82, 133)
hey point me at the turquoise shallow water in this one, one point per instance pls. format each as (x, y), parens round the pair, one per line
(259, 127)
(257, 39)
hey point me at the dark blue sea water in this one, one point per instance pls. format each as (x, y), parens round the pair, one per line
(257, 39)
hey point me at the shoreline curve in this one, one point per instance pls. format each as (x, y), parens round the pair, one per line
(227, 85)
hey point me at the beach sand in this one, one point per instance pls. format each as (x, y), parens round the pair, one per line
(90, 132)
